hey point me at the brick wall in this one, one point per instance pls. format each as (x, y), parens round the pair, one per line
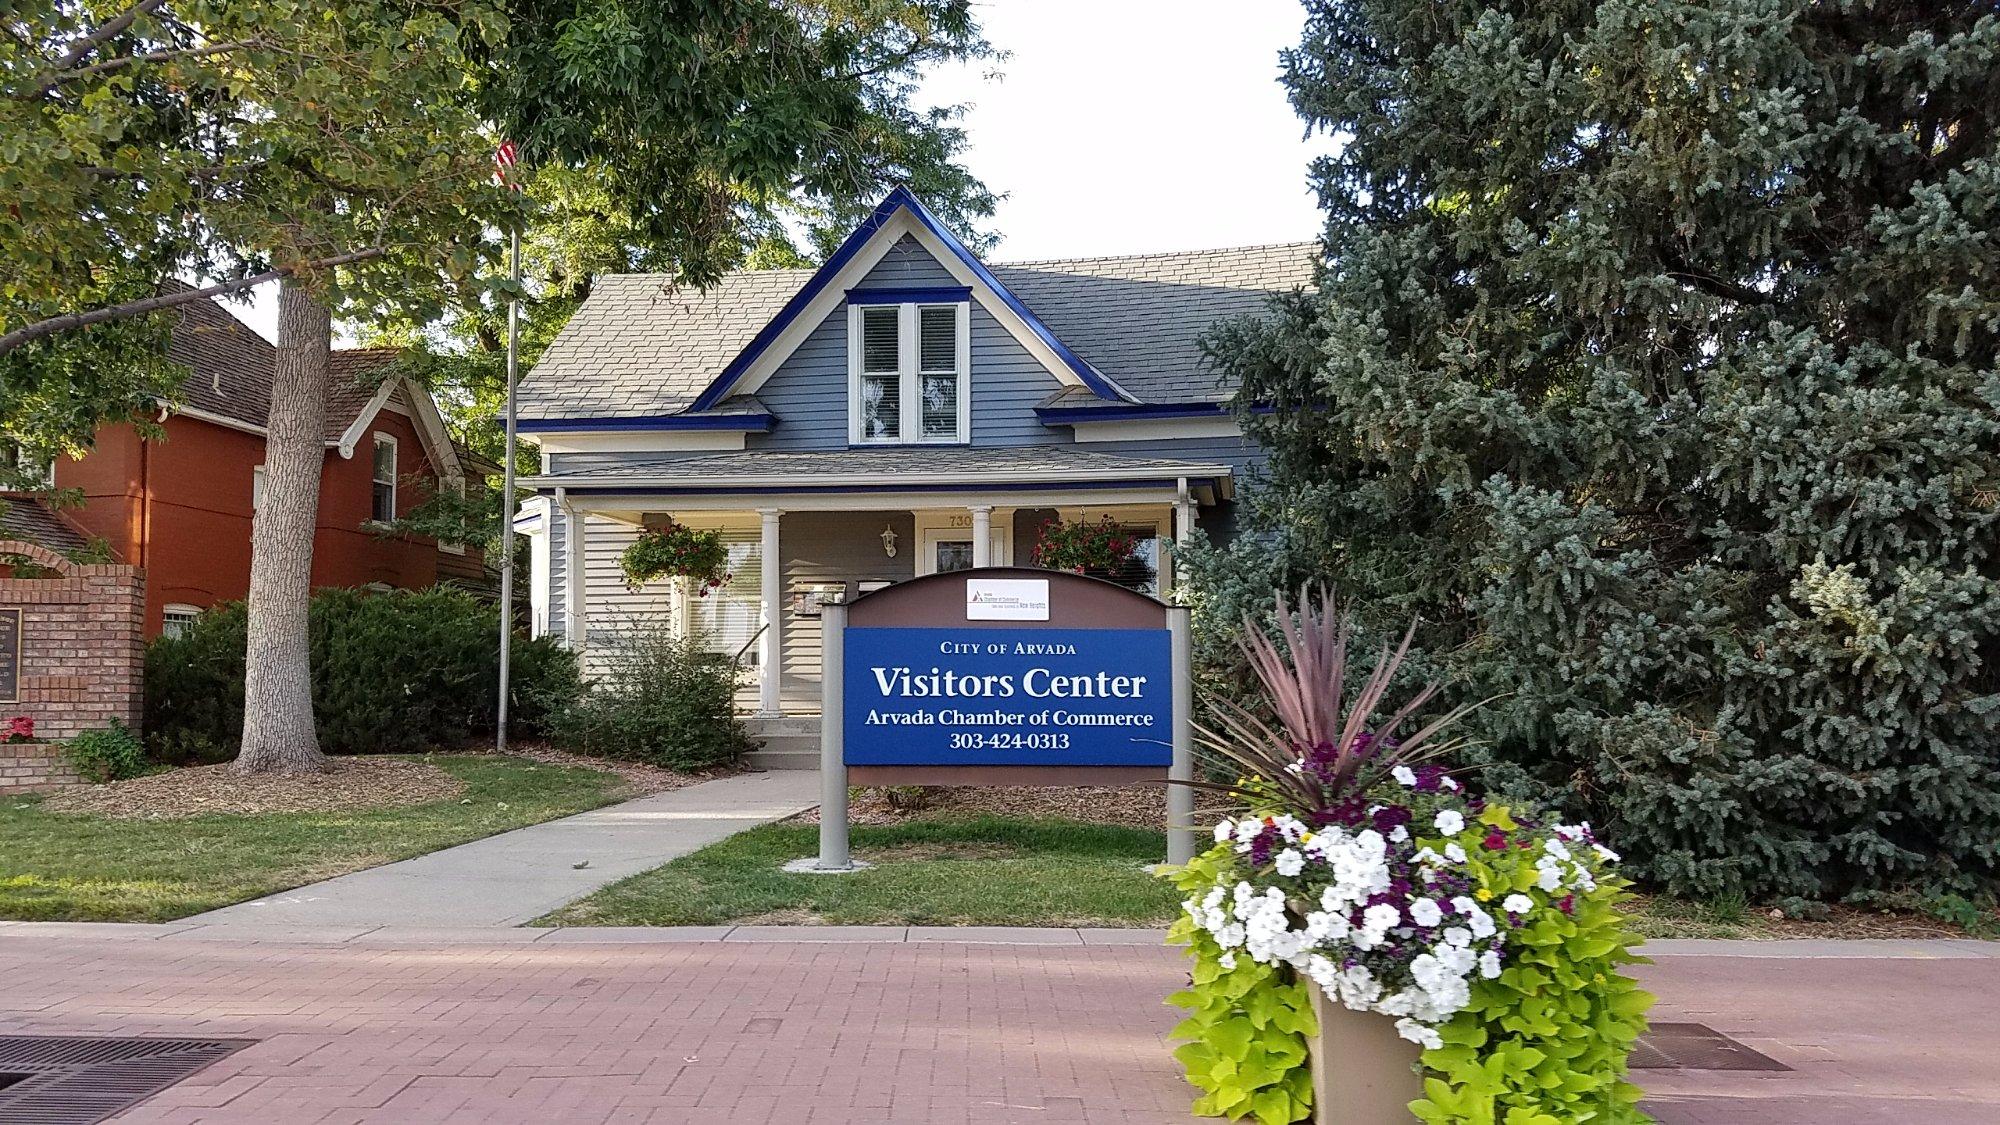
(82, 643)
(28, 766)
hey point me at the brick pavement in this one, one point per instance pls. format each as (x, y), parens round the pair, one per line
(952, 1033)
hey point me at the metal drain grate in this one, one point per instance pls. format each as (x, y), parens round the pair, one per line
(1691, 1046)
(79, 1079)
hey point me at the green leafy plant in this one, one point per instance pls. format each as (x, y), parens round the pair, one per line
(675, 550)
(1080, 547)
(111, 754)
(1248, 1024)
(397, 671)
(663, 700)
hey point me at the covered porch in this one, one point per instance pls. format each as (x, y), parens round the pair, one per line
(806, 529)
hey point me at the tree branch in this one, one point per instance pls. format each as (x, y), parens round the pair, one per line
(1680, 270)
(82, 48)
(41, 329)
(51, 81)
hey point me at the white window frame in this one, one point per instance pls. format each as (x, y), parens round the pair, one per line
(257, 485)
(395, 467)
(180, 614)
(910, 419)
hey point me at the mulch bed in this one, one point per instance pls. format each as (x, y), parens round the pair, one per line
(1143, 806)
(641, 780)
(351, 784)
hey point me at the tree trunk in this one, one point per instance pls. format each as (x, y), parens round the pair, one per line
(278, 734)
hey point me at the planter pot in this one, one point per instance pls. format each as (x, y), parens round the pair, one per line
(1363, 1073)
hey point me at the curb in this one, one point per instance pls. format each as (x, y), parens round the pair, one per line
(1930, 949)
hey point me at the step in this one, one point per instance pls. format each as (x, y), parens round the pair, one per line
(787, 759)
(782, 726)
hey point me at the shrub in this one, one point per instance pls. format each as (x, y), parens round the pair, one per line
(112, 754)
(663, 700)
(398, 671)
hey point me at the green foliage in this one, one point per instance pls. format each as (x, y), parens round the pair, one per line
(663, 700)
(674, 550)
(111, 754)
(404, 670)
(1248, 1027)
(1655, 370)
(1546, 1042)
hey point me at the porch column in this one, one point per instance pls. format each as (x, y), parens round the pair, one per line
(1184, 515)
(576, 556)
(982, 535)
(770, 698)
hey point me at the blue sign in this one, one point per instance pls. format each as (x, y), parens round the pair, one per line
(1008, 697)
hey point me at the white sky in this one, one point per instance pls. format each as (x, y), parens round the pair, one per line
(1124, 126)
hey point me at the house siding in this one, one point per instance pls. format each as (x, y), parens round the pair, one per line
(808, 392)
(828, 547)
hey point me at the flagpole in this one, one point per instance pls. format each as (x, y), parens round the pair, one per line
(507, 496)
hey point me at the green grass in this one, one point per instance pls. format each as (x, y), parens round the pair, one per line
(74, 867)
(997, 871)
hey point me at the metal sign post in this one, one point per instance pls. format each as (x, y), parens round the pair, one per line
(1180, 798)
(833, 854)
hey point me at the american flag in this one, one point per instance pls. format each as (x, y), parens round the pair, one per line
(504, 159)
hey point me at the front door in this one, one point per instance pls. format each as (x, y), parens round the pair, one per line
(947, 546)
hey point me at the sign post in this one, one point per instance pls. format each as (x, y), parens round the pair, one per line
(1004, 676)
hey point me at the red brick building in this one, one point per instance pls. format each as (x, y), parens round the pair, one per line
(180, 506)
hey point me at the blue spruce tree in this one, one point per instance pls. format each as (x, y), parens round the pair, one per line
(1653, 364)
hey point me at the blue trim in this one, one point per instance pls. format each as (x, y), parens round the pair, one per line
(934, 295)
(1114, 412)
(897, 200)
(750, 423)
(812, 489)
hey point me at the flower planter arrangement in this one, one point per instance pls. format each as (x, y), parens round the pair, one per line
(1079, 547)
(672, 550)
(1374, 943)
(20, 728)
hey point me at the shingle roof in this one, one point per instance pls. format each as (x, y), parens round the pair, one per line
(920, 463)
(28, 518)
(641, 347)
(232, 368)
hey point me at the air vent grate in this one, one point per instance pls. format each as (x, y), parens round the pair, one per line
(80, 1079)
(1696, 1046)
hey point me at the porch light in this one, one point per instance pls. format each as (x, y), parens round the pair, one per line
(889, 541)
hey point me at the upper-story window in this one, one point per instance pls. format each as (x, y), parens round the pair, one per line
(382, 508)
(909, 373)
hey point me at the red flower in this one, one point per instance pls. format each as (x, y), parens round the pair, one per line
(1494, 841)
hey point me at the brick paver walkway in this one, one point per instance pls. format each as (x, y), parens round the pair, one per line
(873, 1032)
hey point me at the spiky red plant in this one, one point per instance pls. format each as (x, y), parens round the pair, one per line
(1326, 750)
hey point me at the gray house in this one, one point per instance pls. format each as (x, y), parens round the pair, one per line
(901, 410)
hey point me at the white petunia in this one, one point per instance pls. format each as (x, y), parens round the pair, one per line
(1227, 960)
(1289, 863)
(1517, 904)
(1224, 829)
(1556, 849)
(1449, 822)
(1423, 1035)
(1458, 936)
(1489, 964)
(1404, 775)
(1449, 784)
(1399, 834)
(1605, 854)
(1454, 853)
(1425, 912)
(1552, 879)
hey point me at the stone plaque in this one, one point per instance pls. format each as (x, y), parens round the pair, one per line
(10, 656)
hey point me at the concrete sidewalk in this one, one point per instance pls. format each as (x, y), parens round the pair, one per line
(511, 878)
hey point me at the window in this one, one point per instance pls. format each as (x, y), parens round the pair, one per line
(257, 488)
(909, 373)
(383, 508)
(176, 617)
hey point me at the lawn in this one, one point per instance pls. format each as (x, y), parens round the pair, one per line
(72, 867)
(942, 871)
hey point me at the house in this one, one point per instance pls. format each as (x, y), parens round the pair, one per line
(900, 410)
(180, 506)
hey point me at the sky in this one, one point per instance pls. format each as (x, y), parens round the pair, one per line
(1123, 127)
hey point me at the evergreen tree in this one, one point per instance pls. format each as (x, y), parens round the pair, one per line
(1654, 366)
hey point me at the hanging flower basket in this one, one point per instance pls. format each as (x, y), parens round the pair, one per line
(1081, 547)
(672, 550)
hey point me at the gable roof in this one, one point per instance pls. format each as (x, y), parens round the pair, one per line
(29, 519)
(1125, 327)
(232, 367)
